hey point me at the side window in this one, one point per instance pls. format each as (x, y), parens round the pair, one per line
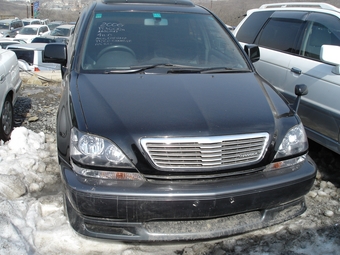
(281, 34)
(26, 55)
(252, 25)
(16, 24)
(322, 29)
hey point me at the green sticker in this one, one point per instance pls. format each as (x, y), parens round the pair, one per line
(99, 15)
(157, 16)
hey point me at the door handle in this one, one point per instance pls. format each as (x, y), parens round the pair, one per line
(296, 70)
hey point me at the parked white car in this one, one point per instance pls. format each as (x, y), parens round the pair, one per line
(31, 31)
(4, 42)
(10, 83)
(30, 21)
(300, 44)
(30, 57)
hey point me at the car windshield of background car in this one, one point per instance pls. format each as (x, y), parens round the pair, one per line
(4, 26)
(28, 31)
(60, 32)
(122, 40)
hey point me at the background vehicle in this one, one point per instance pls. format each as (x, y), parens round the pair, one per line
(10, 27)
(45, 22)
(46, 39)
(53, 24)
(166, 132)
(4, 42)
(31, 22)
(300, 44)
(29, 32)
(30, 57)
(10, 84)
(61, 33)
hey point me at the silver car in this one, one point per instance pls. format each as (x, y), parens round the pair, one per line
(10, 27)
(300, 44)
(10, 84)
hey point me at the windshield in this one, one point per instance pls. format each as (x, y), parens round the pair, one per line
(29, 31)
(61, 31)
(131, 40)
(4, 26)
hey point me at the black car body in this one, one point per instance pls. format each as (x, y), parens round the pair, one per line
(166, 132)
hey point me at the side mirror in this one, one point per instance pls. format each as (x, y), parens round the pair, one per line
(331, 55)
(300, 90)
(55, 53)
(253, 52)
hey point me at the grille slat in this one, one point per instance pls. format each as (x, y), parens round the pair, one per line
(205, 152)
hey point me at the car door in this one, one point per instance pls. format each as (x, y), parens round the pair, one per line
(279, 40)
(320, 109)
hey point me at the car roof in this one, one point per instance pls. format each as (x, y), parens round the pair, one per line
(9, 20)
(179, 2)
(29, 19)
(65, 26)
(148, 5)
(8, 41)
(57, 22)
(36, 25)
(29, 46)
(300, 6)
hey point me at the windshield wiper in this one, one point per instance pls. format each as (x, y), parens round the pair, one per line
(222, 70)
(175, 68)
(137, 69)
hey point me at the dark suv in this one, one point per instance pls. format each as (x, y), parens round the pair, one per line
(166, 132)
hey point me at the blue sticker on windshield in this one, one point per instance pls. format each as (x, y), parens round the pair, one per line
(99, 15)
(157, 16)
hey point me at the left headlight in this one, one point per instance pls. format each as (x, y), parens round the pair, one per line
(294, 143)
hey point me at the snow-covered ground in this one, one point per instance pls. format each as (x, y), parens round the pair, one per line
(35, 224)
(32, 220)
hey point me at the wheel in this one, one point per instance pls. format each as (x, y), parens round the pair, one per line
(115, 47)
(6, 119)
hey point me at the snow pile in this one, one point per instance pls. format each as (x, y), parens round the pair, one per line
(32, 219)
(25, 164)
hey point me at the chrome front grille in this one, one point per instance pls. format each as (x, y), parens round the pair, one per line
(205, 152)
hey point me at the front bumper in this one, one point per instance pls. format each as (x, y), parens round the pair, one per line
(156, 211)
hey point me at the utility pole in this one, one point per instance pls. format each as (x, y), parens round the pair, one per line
(31, 10)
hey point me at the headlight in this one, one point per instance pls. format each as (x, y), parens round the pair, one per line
(295, 142)
(89, 152)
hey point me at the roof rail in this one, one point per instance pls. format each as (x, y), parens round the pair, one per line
(179, 2)
(301, 4)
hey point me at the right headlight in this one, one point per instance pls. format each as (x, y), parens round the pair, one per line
(97, 157)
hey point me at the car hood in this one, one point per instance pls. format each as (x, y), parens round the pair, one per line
(126, 107)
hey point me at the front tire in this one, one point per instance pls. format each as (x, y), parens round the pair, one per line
(6, 119)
